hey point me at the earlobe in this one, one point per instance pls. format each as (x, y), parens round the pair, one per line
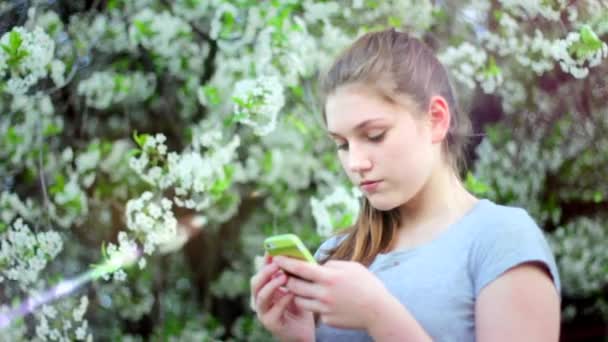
(440, 116)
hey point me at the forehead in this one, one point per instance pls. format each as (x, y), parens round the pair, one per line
(350, 106)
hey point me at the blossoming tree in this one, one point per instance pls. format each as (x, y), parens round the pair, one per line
(147, 147)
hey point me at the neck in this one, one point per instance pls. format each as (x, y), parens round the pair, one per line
(443, 199)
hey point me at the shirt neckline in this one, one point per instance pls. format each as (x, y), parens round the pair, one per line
(448, 231)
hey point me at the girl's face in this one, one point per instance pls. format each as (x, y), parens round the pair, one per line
(380, 141)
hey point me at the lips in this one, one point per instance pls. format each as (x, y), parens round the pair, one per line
(368, 182)
(369, 186)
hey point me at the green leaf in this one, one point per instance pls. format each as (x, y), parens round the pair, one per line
(74, 204)
(475, 186)
(211, 94)
(598, 197)
(13, 49)
(497, 14)
(394, 21)
(59, 184)
(439, 14)
(3, 227)
(112, 4)
(588, 43)
(227, 23)
(345, 221)
(104, 253)
(300, 126)
(492, 69)
(298, 91)
(240, 102)
(140, 139)
(267, 162)
(15, 40)
(589, 38)
(51, 129)
(144, 28)
(134, 152)
(372, 4)
(12, 137)
(121, 84)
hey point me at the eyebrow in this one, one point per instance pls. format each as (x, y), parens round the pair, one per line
(359, 126)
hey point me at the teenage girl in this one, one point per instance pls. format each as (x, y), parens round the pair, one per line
(425, 260)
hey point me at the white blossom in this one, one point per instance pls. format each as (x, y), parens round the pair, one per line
(149, 220)
(38, 48)
(337, 210)
(25, 254)
(258, 103)
(105, 88)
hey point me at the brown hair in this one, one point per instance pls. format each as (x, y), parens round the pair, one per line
(401, 69)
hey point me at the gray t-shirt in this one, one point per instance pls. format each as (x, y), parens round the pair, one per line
(438, 282)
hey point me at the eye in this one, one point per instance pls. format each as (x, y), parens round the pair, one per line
(377, 137)
(342, 147)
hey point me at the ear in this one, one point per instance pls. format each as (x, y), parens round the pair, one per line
(440, 117)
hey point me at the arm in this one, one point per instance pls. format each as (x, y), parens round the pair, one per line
(395, 323)
(520, 305)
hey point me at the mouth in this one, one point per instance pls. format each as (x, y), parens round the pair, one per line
(369, 186)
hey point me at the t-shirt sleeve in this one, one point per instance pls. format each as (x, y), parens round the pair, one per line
(509, 242)
(327, 246)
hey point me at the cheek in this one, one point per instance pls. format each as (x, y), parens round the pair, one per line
(408, 157)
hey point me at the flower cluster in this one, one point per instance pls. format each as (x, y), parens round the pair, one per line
(119, 256)
(502, 166)
(105, 88)
(169, 38)
(23, 253)
(470, 64)
(152, 221)
(130, 300)
(106, 32)
(337, 210)
(530, 9)
(159, 32)
(25, 56)
(64, 321)
(200, 178)
(580, 251)
(230, 284)
(258, 102)
(148, 164)
(11, 207)
(70, 201)
(575, 53)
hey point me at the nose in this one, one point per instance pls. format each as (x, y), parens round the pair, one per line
(358, 160)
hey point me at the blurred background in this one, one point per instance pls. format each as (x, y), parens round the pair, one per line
(148, 147)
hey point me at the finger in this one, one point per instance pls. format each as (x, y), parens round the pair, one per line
(303, 288)
(263, 299)
(275, 313)
(267, 258)
(310, 305)
(302, 269)
(336, 263)
(261, 277)
(258, 280)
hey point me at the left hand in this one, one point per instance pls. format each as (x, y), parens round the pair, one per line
(344, 293)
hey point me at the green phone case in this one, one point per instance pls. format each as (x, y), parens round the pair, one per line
(289, 245)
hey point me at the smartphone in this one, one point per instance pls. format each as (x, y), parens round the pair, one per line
(288, 245)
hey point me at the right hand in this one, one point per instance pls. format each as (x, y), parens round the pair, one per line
(275, 307)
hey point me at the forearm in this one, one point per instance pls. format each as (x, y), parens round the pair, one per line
(395, 323)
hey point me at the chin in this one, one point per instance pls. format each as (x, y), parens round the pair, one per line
(382, 205)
